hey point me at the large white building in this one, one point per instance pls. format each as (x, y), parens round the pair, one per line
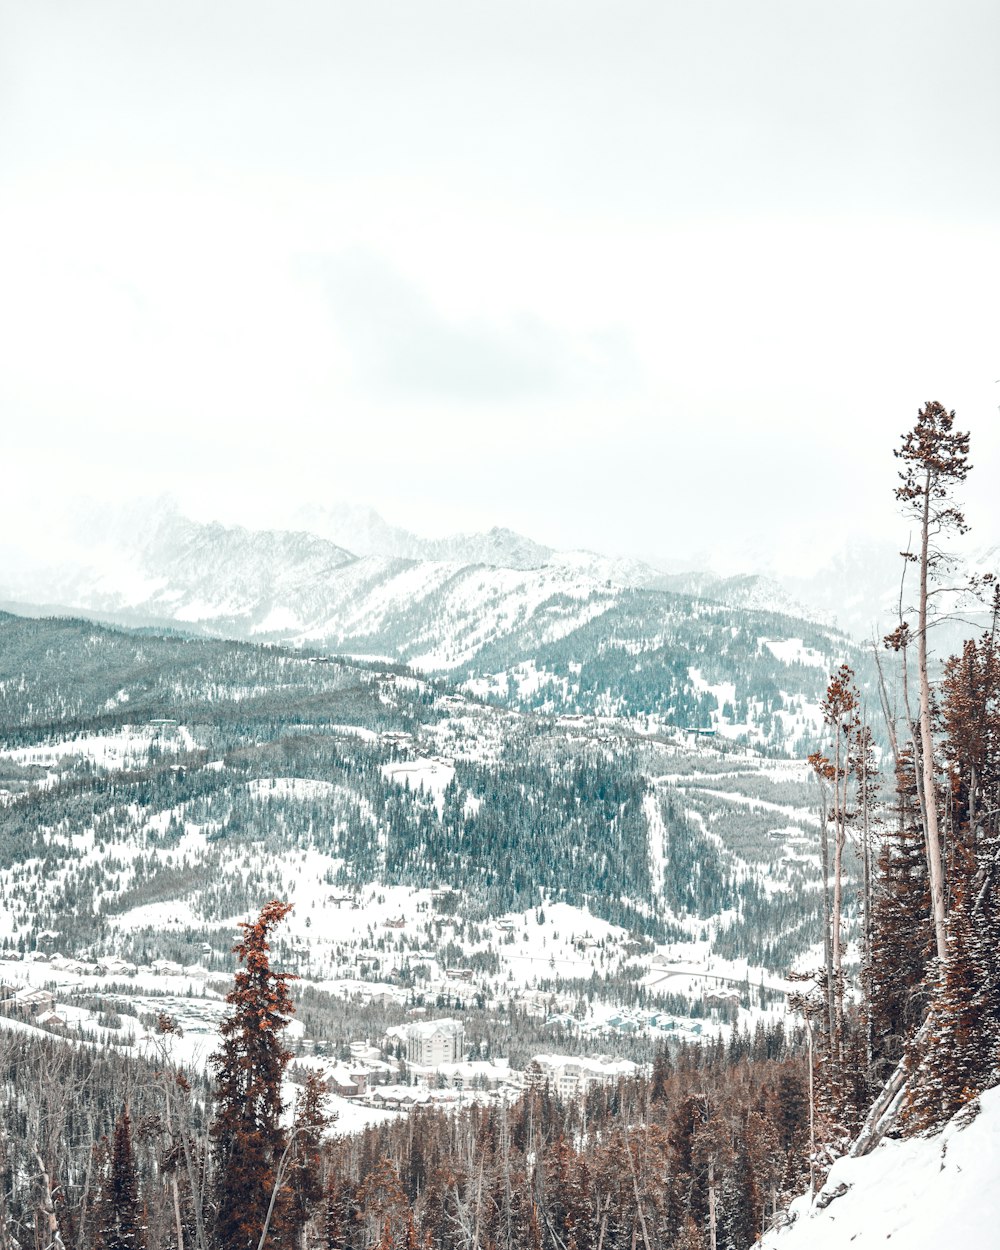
(430, 1042)
(569, 1076)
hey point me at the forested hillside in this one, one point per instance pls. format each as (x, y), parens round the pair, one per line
(139, 769)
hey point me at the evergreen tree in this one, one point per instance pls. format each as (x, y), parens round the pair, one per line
(662, 1068)
(737, 1228)
(119, 1219)
(961, 1054)
(306, 1172)
(248, 1140)
(337, 1214)
(383, 1201)
(901, 938)
(957, 1060)
(970, 715)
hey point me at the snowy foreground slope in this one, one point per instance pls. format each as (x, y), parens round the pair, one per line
(923, 1194)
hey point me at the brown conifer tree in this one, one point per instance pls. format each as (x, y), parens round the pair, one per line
(961, 1057)
(248, 1140)
(957, 1060)
(383, 1203)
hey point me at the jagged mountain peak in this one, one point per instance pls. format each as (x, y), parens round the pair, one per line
(358, 528)
(363, 530)
(499, 547)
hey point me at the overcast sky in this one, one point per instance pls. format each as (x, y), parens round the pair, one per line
(645, 277)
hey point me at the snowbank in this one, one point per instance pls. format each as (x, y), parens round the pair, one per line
(922, 1194)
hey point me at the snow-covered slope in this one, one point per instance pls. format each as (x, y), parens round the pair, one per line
(439, 615)
(148, 563)
(936, 1193)
(433, 602)
(382, 776)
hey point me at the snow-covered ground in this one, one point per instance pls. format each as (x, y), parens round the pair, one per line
(431, 776)
(934, 1193)
(122, 748)
(762, 805)
(793, 651)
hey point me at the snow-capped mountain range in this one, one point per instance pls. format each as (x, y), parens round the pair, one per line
(345, 577)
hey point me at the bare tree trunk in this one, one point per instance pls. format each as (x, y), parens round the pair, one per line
(88, 1179)
(888, 712)
(827, 934)
(177, 1212)
(279, 1180)
(508, 1201)
(712, 1224)
(638, 1199)
(865, 778)
(839, 837)
(885, 1109)
(479, 1205)
(916, 741)
(812, 1115)
(48, 1207)
(184, 1133)
(4, 1208)
(604, 1224)
(934, 863)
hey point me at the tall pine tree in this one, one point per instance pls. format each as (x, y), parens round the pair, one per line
(936, 459)
(248, 1140)
(119, 1211)
(901, 938)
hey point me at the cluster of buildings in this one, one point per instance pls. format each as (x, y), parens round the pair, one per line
(38, 1005)
(431, 1054)
(571, 1076)
(108, 965)
(29, 1003)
